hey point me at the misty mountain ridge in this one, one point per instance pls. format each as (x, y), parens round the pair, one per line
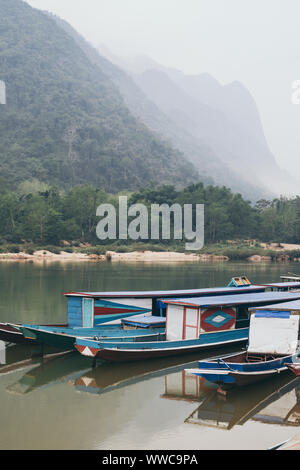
(211, 169)
(65, 121)
(224, 117)
(74, 116)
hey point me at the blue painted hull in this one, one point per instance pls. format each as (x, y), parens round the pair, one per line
(65, 338)
(124, 351)
(241, 369)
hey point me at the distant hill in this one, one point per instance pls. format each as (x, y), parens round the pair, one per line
(65, 121)
(225, 117)
(143, 105)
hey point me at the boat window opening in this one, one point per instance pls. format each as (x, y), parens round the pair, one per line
(243, 312)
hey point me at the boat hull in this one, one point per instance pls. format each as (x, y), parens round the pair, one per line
(61, 342)
(125, 352)
(10, 334)
(64, 339)
(237, 371)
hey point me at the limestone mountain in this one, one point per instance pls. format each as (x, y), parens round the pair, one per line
(65, 121)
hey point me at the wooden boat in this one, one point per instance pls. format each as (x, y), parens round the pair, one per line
(64, 338)
(243, 369)
(87, 311)
(149, 300)
(291, 286)
(191, 325)
(291, 278)
(92, 309)
(273, 346)
(12, 334)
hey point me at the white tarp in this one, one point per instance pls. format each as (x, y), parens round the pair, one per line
(273, 332)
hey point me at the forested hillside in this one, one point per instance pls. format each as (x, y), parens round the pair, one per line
(65, 122)
(49, 216)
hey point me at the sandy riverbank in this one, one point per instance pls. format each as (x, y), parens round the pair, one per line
(281, 254)
(134, 256)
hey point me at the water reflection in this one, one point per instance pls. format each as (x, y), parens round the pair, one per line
(16, 357)
(45, 400)
(261, 402)
(52, 370)
(81, 371)
(276, 401)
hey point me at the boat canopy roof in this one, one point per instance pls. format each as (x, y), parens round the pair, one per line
(253, 299)
(273, 332)
(291, 278)
(169, 293)
(293, 306)
(280, 285)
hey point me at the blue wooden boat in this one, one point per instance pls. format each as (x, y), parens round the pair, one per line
(64, 338)
(272, 349)
(191, 325)
(89, 311)
(291, 286)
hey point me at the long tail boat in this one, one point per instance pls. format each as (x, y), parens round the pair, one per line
(191, 325)
(272, 349)
(88, 311)
(65, 338)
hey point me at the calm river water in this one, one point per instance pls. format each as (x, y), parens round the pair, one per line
(66, 404)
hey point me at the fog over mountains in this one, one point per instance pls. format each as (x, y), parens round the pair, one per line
(65, 122)
(76, 114)
(222, 118)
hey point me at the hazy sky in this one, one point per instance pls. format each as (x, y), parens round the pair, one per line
(254, 41)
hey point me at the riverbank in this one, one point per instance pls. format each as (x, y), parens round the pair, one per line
(111, 256)
(230, 251)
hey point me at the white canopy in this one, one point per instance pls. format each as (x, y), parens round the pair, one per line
(273, 332)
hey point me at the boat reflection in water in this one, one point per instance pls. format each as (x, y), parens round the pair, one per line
(76, 370)
(14, 357)
(55, 369)
(108, 377)
(276, 402)
(111, 376)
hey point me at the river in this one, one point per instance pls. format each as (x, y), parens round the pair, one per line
(64, 403)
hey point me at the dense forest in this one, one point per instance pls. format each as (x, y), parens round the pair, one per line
(43, 215)
(65, 122)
